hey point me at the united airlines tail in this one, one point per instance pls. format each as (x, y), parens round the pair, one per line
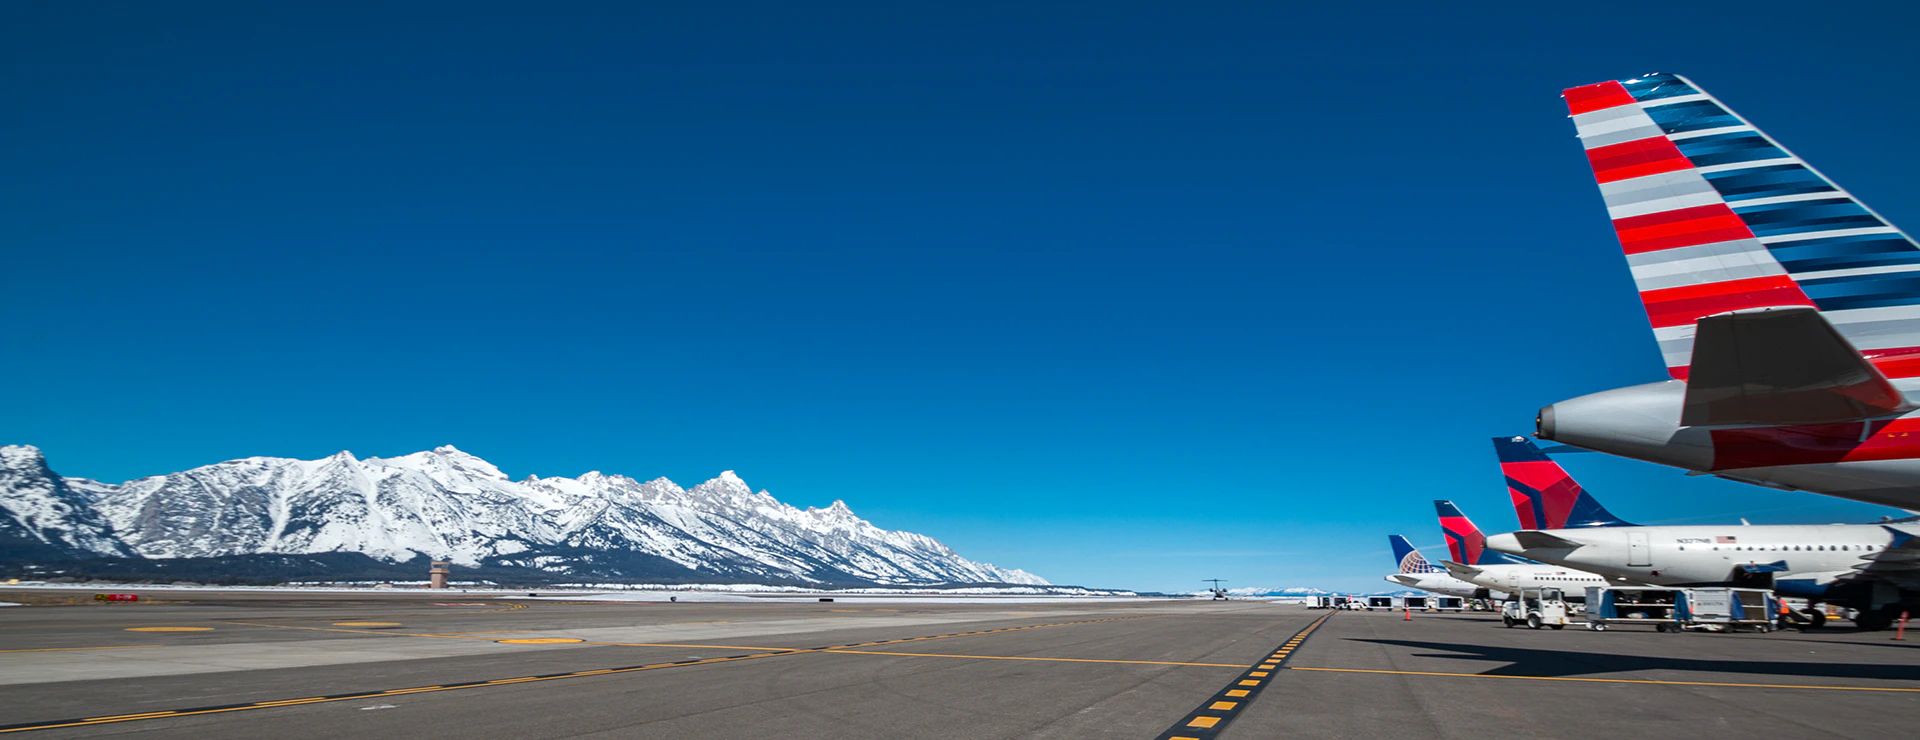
(1544, 495)
(1408, 558)
(1465, 543)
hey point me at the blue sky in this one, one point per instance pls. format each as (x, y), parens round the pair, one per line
(1123, 294)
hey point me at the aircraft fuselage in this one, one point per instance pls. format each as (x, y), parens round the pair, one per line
(1873, 460)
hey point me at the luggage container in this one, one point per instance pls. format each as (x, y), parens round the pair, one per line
(1675, 609)
(1379, 602)
(1416, 602)
(1449, 604)
(1664, 608)
(1730, 609)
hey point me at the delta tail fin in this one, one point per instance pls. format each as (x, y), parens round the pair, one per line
(1465, 542)
(1407, 557)
(1544, 495)
(1716, 217)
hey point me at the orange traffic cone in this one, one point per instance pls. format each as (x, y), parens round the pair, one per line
(1409, 616)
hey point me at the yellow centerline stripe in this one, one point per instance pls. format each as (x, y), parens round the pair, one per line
(71, 649)
(1034, 658)
(128, 716)
(1644, 681)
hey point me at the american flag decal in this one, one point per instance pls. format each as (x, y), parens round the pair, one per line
(1725, 540)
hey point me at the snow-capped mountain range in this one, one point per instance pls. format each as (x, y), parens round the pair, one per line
(447, 504)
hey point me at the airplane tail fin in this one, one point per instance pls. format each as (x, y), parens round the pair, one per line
(1716, 216)
(1407, 557)
(1544, 495)
(1465, 542)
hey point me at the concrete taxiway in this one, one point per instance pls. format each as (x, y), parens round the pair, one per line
(440, 665)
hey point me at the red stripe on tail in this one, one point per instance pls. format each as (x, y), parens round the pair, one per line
(1683, 227)
(1687, 303)
(1597, 96)
(1637, 158)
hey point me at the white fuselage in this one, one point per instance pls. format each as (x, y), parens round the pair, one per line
(1439, 583)
(1513, 578)
(1700, 555)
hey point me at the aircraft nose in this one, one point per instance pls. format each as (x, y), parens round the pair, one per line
(1506, 543)
(1543, 423)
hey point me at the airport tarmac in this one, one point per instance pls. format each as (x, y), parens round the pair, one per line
(295, 665)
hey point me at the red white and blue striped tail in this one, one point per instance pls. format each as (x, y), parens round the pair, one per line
(1716, 216)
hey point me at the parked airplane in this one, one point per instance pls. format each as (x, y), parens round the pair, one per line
(1496, 571)
(1867, 567)
(1787, 312)
(1416, 572)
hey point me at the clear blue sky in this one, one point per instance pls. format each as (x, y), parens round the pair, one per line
(1126, 294)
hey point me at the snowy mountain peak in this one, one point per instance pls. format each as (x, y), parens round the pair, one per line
(22, 456)
(445, 503)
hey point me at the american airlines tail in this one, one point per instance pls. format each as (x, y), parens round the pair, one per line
(1790, 310)
(1407, 557)
(1465, 543)
(1544, 495)
(1716, 216)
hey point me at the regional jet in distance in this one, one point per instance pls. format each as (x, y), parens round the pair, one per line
(1866, 567)
(1787, 312)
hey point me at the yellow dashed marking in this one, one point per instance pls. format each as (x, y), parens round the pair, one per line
(1203, 722)
(169, 629)
(1249, 683)
(1223, 705)
(1257, 674)
(1266, 666)
(1237, 693)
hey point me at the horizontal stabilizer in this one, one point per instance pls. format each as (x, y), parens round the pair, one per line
(1781, 366)
(1533, 539)
(1461, 571)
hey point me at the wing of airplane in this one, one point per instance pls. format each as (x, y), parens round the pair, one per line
(1781, 366)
